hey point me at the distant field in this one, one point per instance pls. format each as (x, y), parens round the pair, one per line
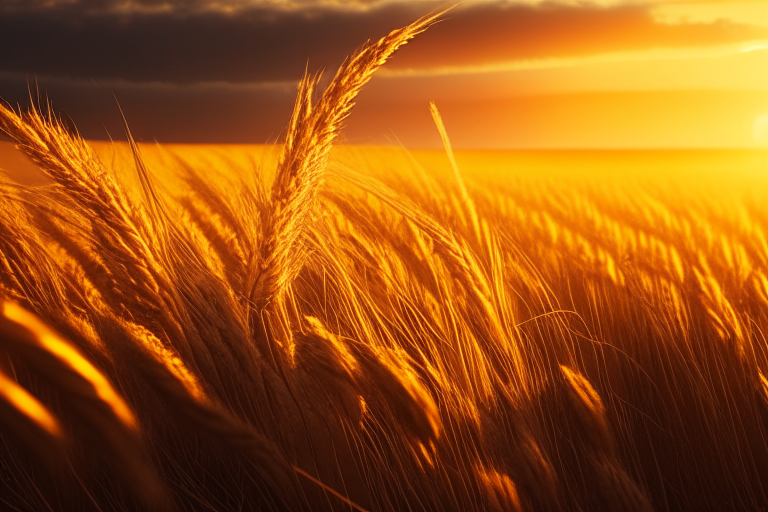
(729, 166)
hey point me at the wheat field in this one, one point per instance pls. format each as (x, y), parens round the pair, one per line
(305, 327)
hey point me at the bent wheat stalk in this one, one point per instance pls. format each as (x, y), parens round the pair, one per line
(311, 134)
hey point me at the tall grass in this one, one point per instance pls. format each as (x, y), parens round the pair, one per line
(345, 341)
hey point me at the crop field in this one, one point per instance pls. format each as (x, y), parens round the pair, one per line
(315, 327)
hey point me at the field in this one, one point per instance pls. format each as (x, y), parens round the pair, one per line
(297, 327)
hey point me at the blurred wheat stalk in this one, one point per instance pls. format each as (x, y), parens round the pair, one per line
(419, 346)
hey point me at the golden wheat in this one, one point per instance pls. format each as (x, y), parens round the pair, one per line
(400, 338)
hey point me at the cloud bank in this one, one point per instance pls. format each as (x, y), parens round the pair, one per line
(191, 42)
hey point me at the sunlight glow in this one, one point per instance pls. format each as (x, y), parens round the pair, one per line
(72, 357)
(29, 405)
(754, 46)
(760, 128)
(551, 63)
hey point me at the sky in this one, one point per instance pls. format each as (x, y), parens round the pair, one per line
(504, 74)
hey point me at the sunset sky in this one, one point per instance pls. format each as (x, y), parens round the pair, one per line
(505, 74)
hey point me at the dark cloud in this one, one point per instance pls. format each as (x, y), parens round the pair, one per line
(187, 45)
(188, 42)
(205, 113)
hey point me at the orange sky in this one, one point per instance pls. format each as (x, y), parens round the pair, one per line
(611, 92)
(605, 74)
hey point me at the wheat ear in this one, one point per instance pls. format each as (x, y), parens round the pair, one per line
(311, 134)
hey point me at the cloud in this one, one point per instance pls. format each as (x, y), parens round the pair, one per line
(202, 113)
(496, 33)
(186, 44)
(186, 6)
(241, 41)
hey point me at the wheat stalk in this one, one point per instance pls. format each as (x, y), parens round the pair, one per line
(312, 131)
